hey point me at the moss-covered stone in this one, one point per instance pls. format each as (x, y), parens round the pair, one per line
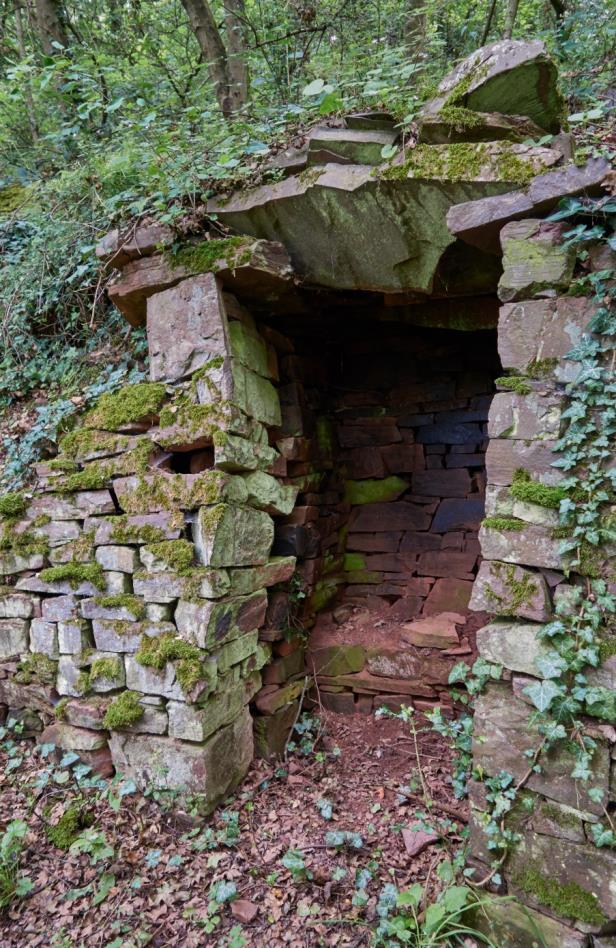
(109, 668)
(72, 822)
(127, 601)
(464, 161)
(177, 555)
(75, 574)
(503, 523)
(36, 668)
(212, 255)
(190, 664)
(13, 504)
(123, 711)
(514, 383)
(131, 404)
(374, 491)
(568, 899)
(531, 492)
(87, 441)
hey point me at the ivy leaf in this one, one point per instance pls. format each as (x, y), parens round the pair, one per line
(542, 693)
(550, 665)
(314, 88)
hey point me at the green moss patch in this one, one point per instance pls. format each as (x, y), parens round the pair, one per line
(212, 255)
(109, 668)
(461, 161)
(132, 403)
(503, 523)
(374, 491)
(127, 601)
(72, 822)
(531, 492)
(519, 592)
(75, 574)
(36, 668)
(13, 505)
(156, 652)
(514, 383)
(123, 711)
(178, 555)
(566, 899)
(87, 441)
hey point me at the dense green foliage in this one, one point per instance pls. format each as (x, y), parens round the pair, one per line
(121, 119)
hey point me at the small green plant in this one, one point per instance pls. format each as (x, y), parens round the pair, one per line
(407, 918)
(294, 861)
(12, 883)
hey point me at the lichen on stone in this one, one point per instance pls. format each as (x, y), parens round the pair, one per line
(519, 592)
(75, 574)
(123, 711)
(461, 161)
(130, 404)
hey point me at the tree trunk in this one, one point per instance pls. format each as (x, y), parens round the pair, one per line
(50, 24)
(415, 27)
(489, 18)
(21, 45)
(510, 15)
(204, 27)
(236, 47)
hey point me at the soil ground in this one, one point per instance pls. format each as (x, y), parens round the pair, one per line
(364, 767)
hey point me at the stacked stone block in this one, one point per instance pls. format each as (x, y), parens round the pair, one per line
(556, 867)
(139, 569)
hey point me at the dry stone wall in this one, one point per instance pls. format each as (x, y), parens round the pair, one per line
(139, 568)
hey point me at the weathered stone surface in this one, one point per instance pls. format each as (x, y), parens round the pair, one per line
(366, 683)
(44, 637)
(541, 332)
(250, 349)
(12, 563)
(268, 701)
(437, 631)
(122, 636)
(271, 732)
(258, 267)
(168, 525)
(71, 680)
(532, 417)
(160, 588)
(480, 222)
(457, 514)
(233, 536)
(506, 727)
(438, 129)
(504, 457)
(60, 608)
(511, 925)
(150, 681)
(348, 146)
(35, 696)
(13, 637)
(91, 746)
(210, 623)
(531, 546)
(90, 609)
(86, 712)
(236, 651)
(515, 77)
(400, 663)
(117, 249)
(335, 660)
(122, 559)
(435, 483)
(197, 724)
(515, 645)
(16, 605)
(245, 581)
(534, 260)
(233, 453)
(87, 503)
(448, 595)
(255, 396)
(326, 219)
(509, 590)
(150, 493)
(451, 563)
(211, 768)
(587, 866)
(186, 328)
(266, 493)
(109, 677)
(380, 518)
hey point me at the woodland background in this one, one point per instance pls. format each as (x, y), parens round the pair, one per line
(114, 109)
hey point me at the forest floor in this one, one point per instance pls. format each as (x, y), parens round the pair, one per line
(260, 871)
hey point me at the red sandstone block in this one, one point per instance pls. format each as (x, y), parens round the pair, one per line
(374, 542)
(342, 702)
(384, 517)
(453, 541)
(455, 483)
(435, 448)
(303, 515)
(465, 460)
(392, 562)
(434, 462)
(445, 563)
(295, 449)
(417, 542)
(357, 436)
(448, 595)
(364, 462)
(468, 448)
(407, 607)
(402, 458)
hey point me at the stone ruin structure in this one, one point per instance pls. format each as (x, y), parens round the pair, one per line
(341, 393)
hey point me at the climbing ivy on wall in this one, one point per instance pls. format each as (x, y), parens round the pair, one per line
(581, 636)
